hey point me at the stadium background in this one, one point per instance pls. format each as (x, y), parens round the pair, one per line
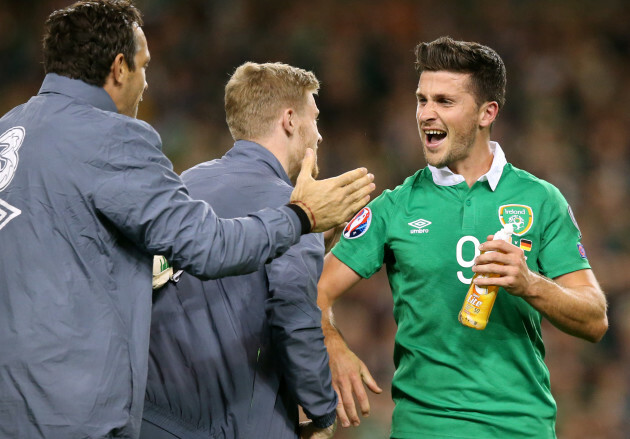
(566, 120)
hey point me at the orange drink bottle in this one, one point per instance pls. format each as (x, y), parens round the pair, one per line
(478, 303)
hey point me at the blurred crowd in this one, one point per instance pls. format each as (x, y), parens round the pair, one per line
(566, 120)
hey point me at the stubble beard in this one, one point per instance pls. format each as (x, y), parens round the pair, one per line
(302, 133)
(459, 149)
(298, 158)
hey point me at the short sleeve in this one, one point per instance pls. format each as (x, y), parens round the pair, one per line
(561, 249)
(362, 244)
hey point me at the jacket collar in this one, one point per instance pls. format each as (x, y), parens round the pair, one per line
(254, 152)
(77, 89)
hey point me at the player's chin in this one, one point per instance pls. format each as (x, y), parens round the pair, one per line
(434, 158)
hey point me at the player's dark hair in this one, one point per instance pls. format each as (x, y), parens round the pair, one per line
(484, 64)
(82, 40)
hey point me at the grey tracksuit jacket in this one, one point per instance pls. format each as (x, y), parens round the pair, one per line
(232, 358)
(86, 199)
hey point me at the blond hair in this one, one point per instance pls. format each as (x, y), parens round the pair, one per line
(257, 93)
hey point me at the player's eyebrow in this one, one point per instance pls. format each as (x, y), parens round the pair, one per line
(435, 97)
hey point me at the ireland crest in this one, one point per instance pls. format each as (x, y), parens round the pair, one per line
(519, 215)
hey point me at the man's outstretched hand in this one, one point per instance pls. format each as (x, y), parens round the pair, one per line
(333, 201)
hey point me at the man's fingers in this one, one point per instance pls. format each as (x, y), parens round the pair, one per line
(362, 398)
(496, 257)
(359, 184)
(362, 193)
(307, 165)
(341, 411)
(349, 177)
(356, 206)
(358, 198)
(341, 415)
(369, 381)
(349, 406)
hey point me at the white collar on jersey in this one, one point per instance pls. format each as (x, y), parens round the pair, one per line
(446, 177)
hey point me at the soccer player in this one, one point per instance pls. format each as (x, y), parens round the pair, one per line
(86, 199)
(452, 380)
(234, 357)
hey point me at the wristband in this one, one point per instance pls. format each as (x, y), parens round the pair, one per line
(301, 213)
(303, 205)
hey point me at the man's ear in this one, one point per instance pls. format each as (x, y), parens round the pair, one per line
(288, 121)
(488, 113)
(119, 69)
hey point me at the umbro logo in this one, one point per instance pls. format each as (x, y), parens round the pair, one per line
(419, 226)
(7, 213)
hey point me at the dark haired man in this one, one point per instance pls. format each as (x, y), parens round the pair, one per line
(86, 199)
(451, 380)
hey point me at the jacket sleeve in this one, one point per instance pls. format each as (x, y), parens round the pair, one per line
(136, 189)
(295, 322)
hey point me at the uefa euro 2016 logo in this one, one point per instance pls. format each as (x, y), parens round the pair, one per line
(521, 216)
(359, 224)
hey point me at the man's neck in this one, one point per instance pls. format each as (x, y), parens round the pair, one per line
(277, 148)
(477, 163)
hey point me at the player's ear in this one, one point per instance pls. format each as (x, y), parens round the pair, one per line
(119, 69)
(488, 112)
(288, 121)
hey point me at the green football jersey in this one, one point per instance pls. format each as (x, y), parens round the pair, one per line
(452, 381)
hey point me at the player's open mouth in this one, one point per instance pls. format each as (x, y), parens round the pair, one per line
(432, 138)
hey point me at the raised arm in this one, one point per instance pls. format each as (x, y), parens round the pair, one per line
(573, 302)
(138, 192)
(348, 371)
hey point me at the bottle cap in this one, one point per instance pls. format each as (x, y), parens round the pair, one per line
(505, 233)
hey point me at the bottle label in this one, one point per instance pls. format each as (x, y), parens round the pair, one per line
(479, 300)
(477, 306)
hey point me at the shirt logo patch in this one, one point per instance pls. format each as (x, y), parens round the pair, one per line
(419, 226)
(10, 142)
(521, 216)
(582, 251)
(359, 224)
